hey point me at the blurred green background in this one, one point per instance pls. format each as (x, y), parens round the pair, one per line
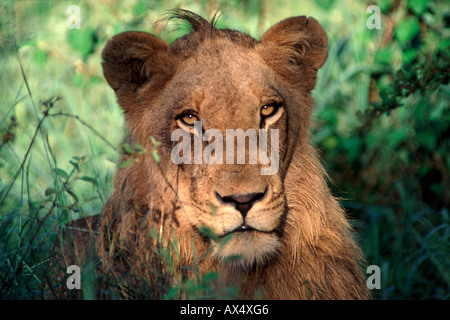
(382, 126)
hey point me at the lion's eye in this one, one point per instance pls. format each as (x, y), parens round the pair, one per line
(188, 119)
(269, 110)
(270, 113)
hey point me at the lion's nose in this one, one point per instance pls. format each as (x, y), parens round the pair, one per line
(242, 202)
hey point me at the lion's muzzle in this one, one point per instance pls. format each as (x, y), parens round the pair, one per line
(242, 202)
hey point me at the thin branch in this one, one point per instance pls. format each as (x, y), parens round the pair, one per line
(23, 160)
(84, 123)
(49, 104)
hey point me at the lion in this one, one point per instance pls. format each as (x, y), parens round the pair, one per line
(271, 236)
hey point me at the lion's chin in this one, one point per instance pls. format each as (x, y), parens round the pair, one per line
(244, 249)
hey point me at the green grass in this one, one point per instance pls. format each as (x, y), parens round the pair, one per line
(382, 126)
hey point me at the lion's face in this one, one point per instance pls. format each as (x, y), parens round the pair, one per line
(236, 205)
(202, 92)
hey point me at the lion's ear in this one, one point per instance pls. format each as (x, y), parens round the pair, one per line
(130, 60)
(295, 46)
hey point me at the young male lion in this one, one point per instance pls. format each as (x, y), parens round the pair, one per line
(275, 236)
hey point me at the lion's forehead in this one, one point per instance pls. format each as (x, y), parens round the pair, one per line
(221, 61)
(231, 93)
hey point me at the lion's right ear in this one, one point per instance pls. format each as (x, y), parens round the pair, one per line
(130, 60)
(296, 48)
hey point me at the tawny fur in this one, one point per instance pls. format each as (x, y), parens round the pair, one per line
(317, 257)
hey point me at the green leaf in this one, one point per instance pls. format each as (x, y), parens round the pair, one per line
(385, 98)
(210, 276)
(140, 7)
(418, 6)
(427, 139)
(81, 40)
(39, 57)
(74, 164)
(61, 173)
(397, 137)
(156, 156)
(325, 4)
(71, 193)
(384, 56)
(155, 142)
(138, 148)
(172, 294)
(444, 44)
(209, 233)
(127, 148)
(126, 163)
(50, 191)
(63, 217)
(90, 180)
(407, 30)
(409, 55)
(385, 5)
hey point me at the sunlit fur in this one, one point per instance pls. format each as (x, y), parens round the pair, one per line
(302, 247)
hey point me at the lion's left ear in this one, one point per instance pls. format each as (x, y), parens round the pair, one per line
(132, 59)
(295, 46)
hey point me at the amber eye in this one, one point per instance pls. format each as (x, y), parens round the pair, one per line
(269, 110)
(188, 119)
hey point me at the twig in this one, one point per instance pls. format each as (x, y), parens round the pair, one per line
(47, 114)
(84, 123)
(24, 160)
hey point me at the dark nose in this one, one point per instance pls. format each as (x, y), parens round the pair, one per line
(242, 202)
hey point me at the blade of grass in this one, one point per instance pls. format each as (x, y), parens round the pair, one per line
(25, 157)
(10, 109)
(34, 108)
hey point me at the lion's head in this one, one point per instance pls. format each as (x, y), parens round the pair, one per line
(206, 99)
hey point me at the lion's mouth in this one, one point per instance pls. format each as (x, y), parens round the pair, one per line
(242, 229)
